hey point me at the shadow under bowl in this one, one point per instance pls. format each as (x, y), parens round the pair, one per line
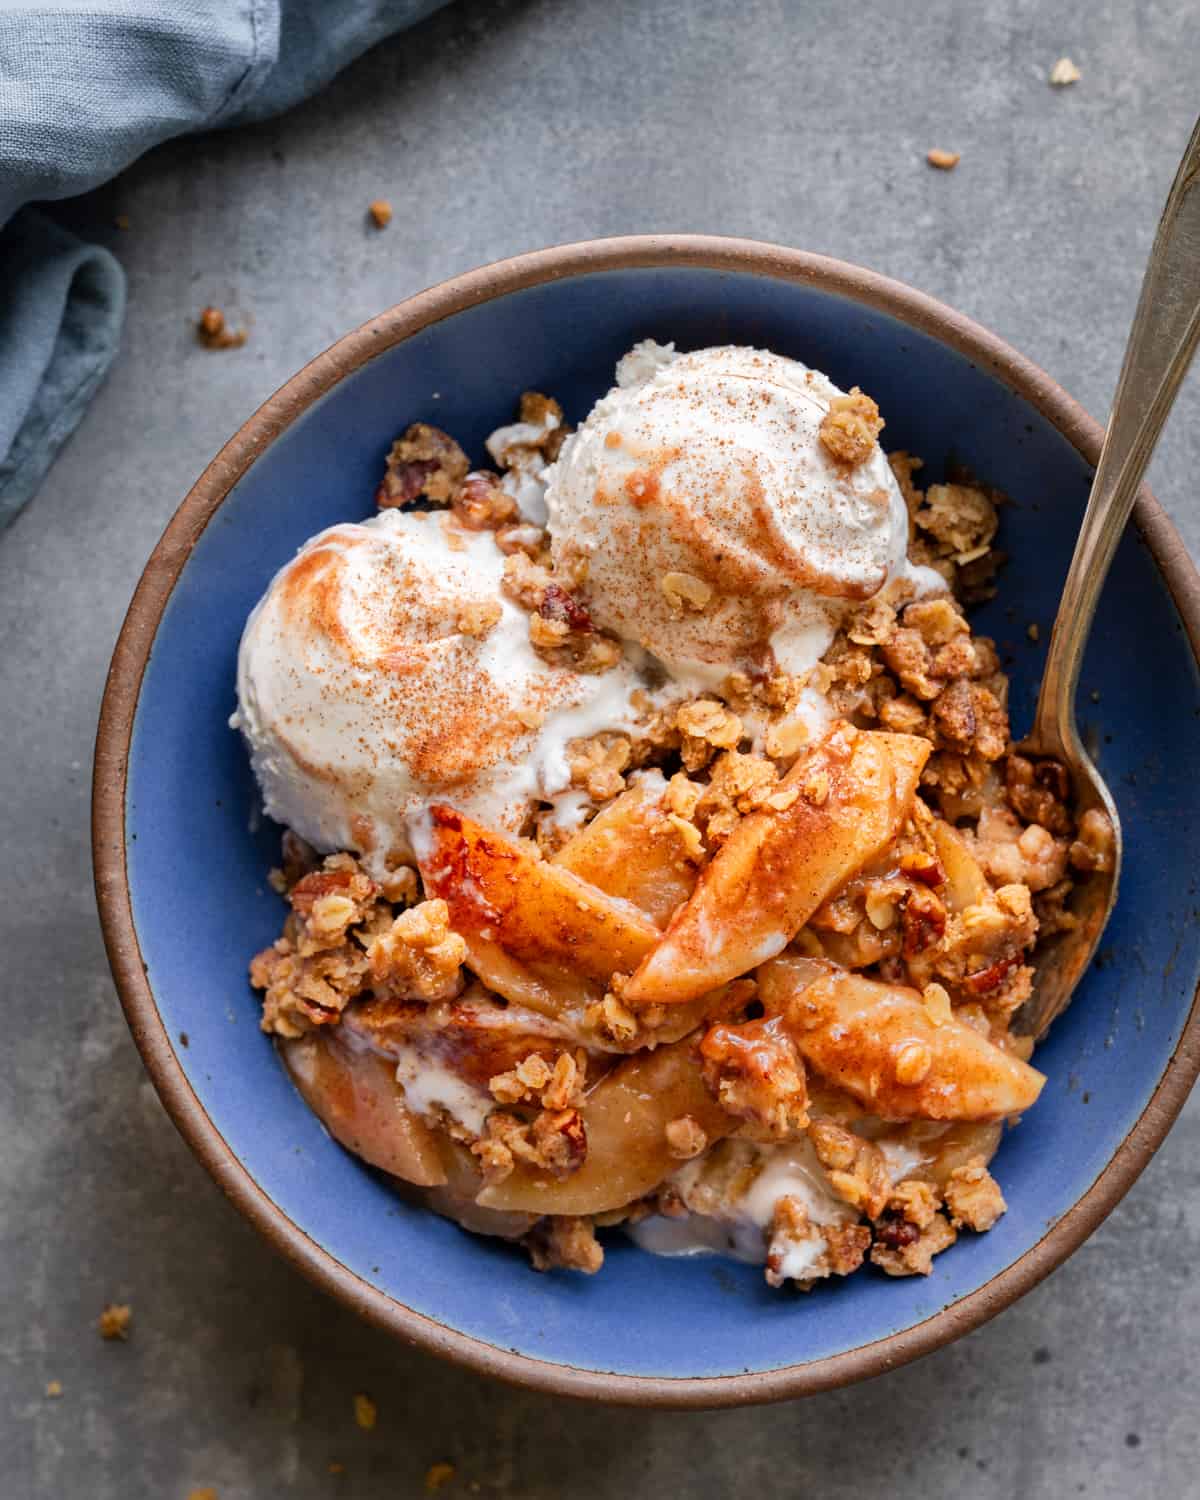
(181, 869)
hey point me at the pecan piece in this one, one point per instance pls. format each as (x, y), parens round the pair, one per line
(984, 981)
(424, 461)
(924, 921)
(558, 605)
(922, 866)
(1038, 791)
(896, 1232)
(560, 1139)
(481, 504)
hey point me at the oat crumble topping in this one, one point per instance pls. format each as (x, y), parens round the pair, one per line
(424, 462)
(565, 1243)
(851, 428)
(903, 1249)
(973, 1197)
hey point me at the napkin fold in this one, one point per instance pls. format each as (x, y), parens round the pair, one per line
(86, 86)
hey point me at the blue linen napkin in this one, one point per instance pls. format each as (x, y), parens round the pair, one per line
(86, 86)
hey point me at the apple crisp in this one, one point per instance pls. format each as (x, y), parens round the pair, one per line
(751, 979)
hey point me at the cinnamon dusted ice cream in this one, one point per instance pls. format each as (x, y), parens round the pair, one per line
(731, 507)
(383, 670)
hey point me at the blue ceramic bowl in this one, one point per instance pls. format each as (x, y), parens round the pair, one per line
(181, 876)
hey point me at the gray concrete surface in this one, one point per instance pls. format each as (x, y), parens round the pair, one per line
(494, 128)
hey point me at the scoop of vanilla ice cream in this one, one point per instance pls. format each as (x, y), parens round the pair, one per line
(383, 670)
(717, 530)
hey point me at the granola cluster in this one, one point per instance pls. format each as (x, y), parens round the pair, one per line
(554, 1085)
(952, 909)
(851, 428)
(320, 963)
(417, 956)
(344, 939)
(757, 1076)
(426, 465)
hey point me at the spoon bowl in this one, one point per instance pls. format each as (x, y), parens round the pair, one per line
(1062, 959)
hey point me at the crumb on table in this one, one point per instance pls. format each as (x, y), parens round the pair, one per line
(54, 1389)
(213, 333)
(114, 1321)
(945, 161)
(1064, 72)
(381, 213)
(438, 1475)
(366, 1413)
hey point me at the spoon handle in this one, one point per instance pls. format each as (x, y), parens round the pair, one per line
(1166, 328)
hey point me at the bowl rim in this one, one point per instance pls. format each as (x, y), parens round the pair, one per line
(118, 712)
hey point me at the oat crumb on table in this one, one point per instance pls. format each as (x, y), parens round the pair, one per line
(945, 161)
(114, 1321)
(437, 1476)
(381, 213)
(366, 1413)
(54, 1389)
(1064, 72)
(212, 332)
(336, 1468)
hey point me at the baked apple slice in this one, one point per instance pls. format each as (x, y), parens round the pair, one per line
(455, 1198)
(356, 1097)
(633, 851)
(540, 936)
(625, 1116)
(853, 793)
(535, 932)
(966, 884)
(473, 1037)
(880, 1044)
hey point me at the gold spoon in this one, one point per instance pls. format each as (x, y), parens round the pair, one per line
(1166, 328)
